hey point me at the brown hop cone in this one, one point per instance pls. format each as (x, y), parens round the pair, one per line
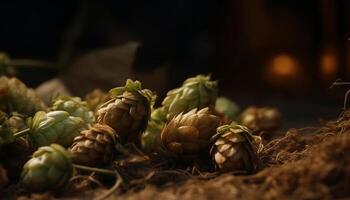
(188, 135)
(261, 120)
(95, 146)
(235, 149)
(128, 112)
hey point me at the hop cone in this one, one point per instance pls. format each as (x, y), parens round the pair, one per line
(6, 134)
(95, 146)
(14, 151)
(17, 122)
(5, 67)
(3, 177)
(49, 168)
(54, 127)
(75, 107)
(128, 112)
(16, 97)
(96, 98)
(235, 149)
(261, 120)
(188, 135)
(150, 139)
(227, 107)
(196, 92)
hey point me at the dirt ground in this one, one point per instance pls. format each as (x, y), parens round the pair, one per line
(309, 163)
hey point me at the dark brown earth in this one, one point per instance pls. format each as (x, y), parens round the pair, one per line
(309, 163)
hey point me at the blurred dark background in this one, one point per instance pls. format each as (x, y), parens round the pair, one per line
(282, 53)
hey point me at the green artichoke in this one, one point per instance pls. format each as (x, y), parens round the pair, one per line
(196, 92)
(54, 127)
(5, 67)
(16, 97)
(75, 107)
(150, 139)
(6, 134)
(49, 168)
(227, 107)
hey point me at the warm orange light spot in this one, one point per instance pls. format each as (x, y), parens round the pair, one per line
(284, 65)
(328, 65)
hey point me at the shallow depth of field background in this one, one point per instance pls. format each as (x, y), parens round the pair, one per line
(282, 53)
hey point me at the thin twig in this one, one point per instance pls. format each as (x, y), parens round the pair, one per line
(94, 169)
(118, 182)
(21, 133)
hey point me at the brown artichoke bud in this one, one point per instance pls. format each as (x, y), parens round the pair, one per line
(128, 112)
(3, 177)
(261, 120)
(235, 149)
(96, 98)
(16, 97)
(95, 146)
(188, 135)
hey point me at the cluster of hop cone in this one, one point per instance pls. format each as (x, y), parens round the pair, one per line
(42, 146)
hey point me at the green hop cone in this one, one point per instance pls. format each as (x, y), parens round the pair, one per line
(6, 134)
(196, 92)
(75, 107)
(49, 168)
(54, 127)
(16, 97)
(150, 139)
(227, 107)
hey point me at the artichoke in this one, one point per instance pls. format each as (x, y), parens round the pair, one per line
(16, 97)
(49, 168)
(150, 139)
(54, 127)
(96, 98)
(95, 146)
(261, 120)
(227, 107)
(129, 110)
(235, 149)
(196, 92)
(75, 107)
(188, 135)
